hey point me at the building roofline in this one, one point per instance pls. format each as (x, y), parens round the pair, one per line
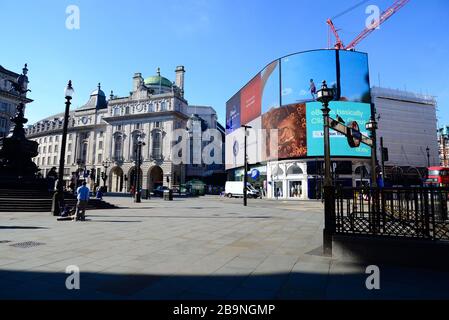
(8, 72)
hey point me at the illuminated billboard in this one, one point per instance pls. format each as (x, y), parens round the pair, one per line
(349, 111)
(281, 102)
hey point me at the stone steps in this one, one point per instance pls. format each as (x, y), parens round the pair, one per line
(14, 200)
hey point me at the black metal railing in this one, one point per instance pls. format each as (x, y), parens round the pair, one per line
(419, 213)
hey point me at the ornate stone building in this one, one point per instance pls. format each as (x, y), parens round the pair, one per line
(9, 100)
(106, 132)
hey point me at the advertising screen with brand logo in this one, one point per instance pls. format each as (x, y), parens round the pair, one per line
(280, 102)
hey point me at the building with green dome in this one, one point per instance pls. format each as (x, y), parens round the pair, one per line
(103, 135)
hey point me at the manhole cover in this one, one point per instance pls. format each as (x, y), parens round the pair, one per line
(27, 244)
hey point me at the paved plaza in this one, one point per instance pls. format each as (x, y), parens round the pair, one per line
(204, 248)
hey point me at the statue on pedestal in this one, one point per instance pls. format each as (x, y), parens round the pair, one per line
(16, 151)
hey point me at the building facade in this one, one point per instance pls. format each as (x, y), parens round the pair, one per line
(408, 126)
(443, 143)
(104, 133)
(9, 100)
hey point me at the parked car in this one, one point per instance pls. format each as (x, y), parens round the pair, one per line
(159, 191)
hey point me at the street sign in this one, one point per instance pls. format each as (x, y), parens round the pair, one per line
(255, 174)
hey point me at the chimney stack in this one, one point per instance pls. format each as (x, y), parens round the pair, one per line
(137, 80)
(180, 71)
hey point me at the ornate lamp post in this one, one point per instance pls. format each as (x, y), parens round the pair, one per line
(245, 169)
(371, 126)
(326, 95)
(138, 193)
(104, 174)
(58, 197)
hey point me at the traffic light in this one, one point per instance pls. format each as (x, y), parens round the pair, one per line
(385, 154)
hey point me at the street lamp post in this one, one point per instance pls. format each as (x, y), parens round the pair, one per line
(371, 126)
(428, 157)
(245, 173)
(326, 95)
(58, 197)
(104, 175)
(140, 143)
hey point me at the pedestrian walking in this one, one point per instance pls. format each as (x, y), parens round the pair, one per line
(83, 193)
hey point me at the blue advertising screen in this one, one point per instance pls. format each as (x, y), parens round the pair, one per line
(303, 73)
(348, 111)
(354, 77)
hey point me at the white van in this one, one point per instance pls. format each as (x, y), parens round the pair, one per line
(235, 189)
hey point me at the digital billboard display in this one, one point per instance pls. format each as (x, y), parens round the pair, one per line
(302, 75)
(349, 111)
(281, 102)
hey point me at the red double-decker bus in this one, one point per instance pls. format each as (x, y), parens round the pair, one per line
(438, 177)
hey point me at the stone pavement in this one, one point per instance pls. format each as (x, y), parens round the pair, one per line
(204, 248)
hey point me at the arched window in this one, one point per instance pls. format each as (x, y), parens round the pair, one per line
(163, 106)
(118, 146)
(277, 171)
(294, 170)
(156, 151)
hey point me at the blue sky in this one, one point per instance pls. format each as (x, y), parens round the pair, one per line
(222, 44)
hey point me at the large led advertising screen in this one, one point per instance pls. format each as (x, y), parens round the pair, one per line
(349, 111)
(280, 102)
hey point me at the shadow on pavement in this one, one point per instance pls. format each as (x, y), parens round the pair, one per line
(21, 228)
(285, 286)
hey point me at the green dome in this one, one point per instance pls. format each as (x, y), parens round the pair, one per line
(158, 80)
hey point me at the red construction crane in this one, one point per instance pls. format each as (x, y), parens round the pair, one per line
(384, 17)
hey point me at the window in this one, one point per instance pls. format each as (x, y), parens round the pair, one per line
(45, 149)
(67, 171)
(69, 160)
(116, 112)
(50, 149)
(49, 161)
(56, 148)
(70, 136)
(118, 141)
(127, 110)
(157, 145)
(43, 161)
(84, 152)
(2, 123)
(163, 106)
(55, 159)
(119, 127)
(294, 170)
(137, 126)
(50, 139)
(100, 158)
(157, 124)
(295, 189)
(69, 147)
(45, 140)
(57, 138)
(101, 134)
(100, 145)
